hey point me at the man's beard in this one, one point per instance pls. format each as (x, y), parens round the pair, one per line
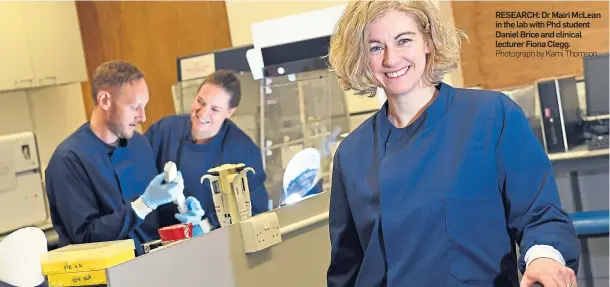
(114, 124)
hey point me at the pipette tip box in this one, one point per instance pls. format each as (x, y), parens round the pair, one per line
(85, 264)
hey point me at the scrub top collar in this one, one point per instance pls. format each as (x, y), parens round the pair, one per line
(428, 119)
(109, 149)
(211, 145)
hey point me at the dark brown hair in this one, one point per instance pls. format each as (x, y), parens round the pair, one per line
(229, 82)
(113, 75)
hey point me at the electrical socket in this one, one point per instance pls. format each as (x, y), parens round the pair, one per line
(260, 232)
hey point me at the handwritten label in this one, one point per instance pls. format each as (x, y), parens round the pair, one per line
(68, 267)
(84, 278)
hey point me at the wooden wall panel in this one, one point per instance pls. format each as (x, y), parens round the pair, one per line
(151, 35)
(481, 67)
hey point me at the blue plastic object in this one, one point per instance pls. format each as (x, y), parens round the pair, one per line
(591, 223)
(303, 183)
(194, 214)
(301, 172)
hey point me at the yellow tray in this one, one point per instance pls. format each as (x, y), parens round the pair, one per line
(86, 278)
(87, 257)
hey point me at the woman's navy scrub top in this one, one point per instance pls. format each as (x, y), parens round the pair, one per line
(171, 140)
(443, 201)
(90, 186)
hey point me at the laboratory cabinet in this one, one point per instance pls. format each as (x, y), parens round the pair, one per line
(41, 45)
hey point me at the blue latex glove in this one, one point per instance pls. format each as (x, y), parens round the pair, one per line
(159, 192)
(194, 215)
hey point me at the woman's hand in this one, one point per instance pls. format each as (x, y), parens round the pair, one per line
(549, 273)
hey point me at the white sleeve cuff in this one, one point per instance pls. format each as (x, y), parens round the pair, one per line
(543, 251)
(140, 208)
(205, 226)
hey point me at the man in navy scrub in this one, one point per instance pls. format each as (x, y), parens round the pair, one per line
(101, 181)
(206, 138)
(437, 187)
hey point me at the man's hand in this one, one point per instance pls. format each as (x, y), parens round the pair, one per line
(549, 273)
(158, 192)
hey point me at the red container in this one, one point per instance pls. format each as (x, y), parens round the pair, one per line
(176, 232)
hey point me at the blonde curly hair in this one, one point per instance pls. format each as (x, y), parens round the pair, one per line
(349, 52)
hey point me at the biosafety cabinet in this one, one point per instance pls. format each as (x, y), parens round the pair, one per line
(302, 106)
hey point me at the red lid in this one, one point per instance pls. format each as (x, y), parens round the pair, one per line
(176, 232)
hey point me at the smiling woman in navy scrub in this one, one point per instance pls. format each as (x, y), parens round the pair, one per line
(207, 138)
(437, 187)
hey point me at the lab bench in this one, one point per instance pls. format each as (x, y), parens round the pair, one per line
(305, 242)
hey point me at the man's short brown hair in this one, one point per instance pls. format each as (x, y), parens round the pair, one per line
(112, 76)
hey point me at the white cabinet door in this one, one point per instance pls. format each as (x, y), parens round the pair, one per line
(16, 69)
(55, 42)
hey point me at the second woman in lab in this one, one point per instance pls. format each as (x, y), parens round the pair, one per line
(206, 138)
